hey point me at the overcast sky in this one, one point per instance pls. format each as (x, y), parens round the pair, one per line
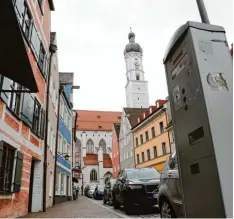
(92, 35)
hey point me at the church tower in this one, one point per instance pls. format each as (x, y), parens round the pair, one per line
(137, 95)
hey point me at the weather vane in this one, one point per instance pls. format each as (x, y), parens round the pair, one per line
(130, 28)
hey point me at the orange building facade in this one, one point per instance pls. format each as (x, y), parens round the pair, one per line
(151, 140)
(115, 150)
(22, 117)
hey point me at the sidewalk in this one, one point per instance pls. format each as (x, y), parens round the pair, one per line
(81, 208)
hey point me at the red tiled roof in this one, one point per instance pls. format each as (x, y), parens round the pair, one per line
(92, 159)
(96, 120)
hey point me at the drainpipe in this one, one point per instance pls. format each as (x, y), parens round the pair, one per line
(52, 50)
(73, 140)
(56, 144)
(167, 130)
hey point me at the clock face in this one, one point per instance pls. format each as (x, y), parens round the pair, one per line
(137, 64)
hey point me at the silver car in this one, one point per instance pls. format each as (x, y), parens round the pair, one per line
(170, 194)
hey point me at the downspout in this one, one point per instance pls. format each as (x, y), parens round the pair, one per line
(167, 130)
(73, 140)
(56, 144)
(52, 50)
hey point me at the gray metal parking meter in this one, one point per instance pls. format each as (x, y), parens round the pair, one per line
(200, 85)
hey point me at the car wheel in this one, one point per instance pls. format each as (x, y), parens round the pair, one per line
(104, 200)
(115, 204)
(166, 211)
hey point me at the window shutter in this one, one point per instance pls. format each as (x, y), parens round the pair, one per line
(42, 124)
(35, 41)
(1, 152)
(19, 9)
(18, 171)
(28, 109)
(6, 86)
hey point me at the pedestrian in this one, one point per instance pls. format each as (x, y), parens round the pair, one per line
(82, 190)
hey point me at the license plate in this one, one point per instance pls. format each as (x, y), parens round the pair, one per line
(155, 195)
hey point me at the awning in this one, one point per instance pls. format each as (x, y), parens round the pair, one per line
(15, 63)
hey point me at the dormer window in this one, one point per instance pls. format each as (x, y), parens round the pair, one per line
(119, 117)
(99, 116)
(99, 126)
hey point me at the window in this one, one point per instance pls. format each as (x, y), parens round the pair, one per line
(161, 127)
(164, 148)
(27, 22)
(141, 137)
(36, 117)
(143, 157)
(137, 77)
(138, 159)
(61, 108)
(148, 154)
(102, 144)
(42, 124)
(153, 132)
(14, 98)
(60, 144)
(69, 152)
(146, 136)
(93, 175)
(63, 184)
(57, 183)
(89, 146)
(51, 184)
(41, 59)
(6, 166)
(155, 152)
(64, 147)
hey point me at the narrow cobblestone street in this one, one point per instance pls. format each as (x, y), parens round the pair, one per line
(81, 208)
(84, 207)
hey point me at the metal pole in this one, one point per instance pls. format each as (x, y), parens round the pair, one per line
(203, 12)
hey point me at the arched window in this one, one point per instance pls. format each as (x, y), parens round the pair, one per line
(93, 175)
(89, 147)
(78, 144)
(102, 144)
(137, 77)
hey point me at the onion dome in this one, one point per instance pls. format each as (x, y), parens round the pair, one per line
(132, 46)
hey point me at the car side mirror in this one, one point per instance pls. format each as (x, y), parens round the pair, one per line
(122, 179)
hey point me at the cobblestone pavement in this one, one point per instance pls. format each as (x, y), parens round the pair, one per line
(81, 208)
(154, 213)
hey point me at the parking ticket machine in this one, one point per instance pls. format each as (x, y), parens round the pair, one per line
(199, 76)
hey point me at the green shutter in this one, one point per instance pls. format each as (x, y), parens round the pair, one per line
(18, 171)
(1, 152)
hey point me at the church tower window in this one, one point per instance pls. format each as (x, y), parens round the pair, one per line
(137, 77)
(93, 175)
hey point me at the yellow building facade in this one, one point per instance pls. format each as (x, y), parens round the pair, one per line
(151, 140)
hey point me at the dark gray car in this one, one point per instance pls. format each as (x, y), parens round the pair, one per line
(170, 194)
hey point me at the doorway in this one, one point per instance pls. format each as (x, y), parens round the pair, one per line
(31, 185)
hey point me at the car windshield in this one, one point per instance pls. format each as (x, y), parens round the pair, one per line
(101, 187)
(144, 173)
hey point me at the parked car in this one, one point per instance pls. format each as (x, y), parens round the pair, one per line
(91, 190)
(136, 187)
(99, 191)
(108, 197)
(170, 193)
(87, 188)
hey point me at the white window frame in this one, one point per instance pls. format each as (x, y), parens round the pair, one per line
(58, 182)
